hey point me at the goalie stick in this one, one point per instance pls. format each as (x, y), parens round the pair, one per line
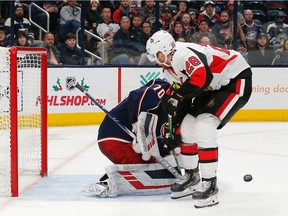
(159, 159)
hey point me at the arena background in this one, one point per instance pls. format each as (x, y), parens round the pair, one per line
(110, 85)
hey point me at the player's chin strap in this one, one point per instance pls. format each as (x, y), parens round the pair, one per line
(163, 63)
(156, 155)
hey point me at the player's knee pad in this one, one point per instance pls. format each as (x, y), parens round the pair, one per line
(187, 130)
(205, 130)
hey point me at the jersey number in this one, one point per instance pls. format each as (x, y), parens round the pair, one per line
(159, 90)
(191, 63)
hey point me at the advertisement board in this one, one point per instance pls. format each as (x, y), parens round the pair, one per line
(101, 83)
(269, 99)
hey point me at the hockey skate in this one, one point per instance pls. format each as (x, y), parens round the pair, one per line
(99, 189)
(187, 185)
(207, 196)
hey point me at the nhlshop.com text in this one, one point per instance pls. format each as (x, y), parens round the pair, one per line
(73, 101)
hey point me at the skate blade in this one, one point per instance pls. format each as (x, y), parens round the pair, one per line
(187, 192)
(202, 203)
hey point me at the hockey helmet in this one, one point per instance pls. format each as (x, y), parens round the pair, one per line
(161, 41)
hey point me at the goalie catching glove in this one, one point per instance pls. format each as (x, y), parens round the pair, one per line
(171, 139)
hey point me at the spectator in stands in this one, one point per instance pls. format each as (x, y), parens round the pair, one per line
(148, 13)
(147, 33)
(2, 37)
(147, 30)
(251, 29)
(20, 24)
(241, 45)
(106, 29)
(70, 16)
(70, 54)
(110, 4)
(93, 15)
(40, 17)
(220, 6)
(193, 17)
(209, 14)
(230, 10)
(92, 18)
(53, 53)
(189, 26)
(262, 54)
(61, 3)
(136, 3)
(137, 25)
(205, 40)
(21, 39)
(124, 10)
(277, 31)
(127, 46)
(182, 8)
(178, 31)
(166, 19)
(222, 30)
(204, 31)
(164, 3)
(282, 54)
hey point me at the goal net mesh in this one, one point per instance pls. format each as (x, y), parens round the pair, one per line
(29, 115)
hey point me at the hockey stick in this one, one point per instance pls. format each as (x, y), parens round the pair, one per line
(171, 131)
(159, 159)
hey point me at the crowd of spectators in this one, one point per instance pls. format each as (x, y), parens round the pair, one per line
(118, 30)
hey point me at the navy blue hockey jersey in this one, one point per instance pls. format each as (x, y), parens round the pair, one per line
(146, 98)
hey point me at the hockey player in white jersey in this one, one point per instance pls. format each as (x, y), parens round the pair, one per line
(214, 84)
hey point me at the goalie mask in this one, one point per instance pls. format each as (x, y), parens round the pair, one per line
(161, 41)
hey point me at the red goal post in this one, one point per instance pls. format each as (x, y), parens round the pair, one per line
(23, 115)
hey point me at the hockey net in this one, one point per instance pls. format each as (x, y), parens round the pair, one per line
(23, 115)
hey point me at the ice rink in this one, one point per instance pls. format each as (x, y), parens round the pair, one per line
(260, 149)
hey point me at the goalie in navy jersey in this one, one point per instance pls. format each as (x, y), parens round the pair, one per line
(132, 173)
(114, 142)
(214, 83)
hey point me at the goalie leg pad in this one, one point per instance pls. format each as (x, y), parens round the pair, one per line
(139, 179)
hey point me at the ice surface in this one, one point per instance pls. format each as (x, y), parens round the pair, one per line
(260, 149)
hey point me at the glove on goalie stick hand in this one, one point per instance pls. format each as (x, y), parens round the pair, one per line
(159, 159)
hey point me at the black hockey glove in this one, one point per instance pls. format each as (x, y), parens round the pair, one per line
(173, 140)
(171, 101)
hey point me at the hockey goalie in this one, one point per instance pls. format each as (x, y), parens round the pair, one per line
(135, 171)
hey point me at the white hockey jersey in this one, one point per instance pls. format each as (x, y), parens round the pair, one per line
(190, 61)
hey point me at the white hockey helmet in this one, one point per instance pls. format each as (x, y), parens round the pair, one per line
(160, 41)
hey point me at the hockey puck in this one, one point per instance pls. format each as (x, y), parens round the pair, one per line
(247, 178)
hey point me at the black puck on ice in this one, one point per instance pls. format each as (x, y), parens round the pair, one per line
(247, 178)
